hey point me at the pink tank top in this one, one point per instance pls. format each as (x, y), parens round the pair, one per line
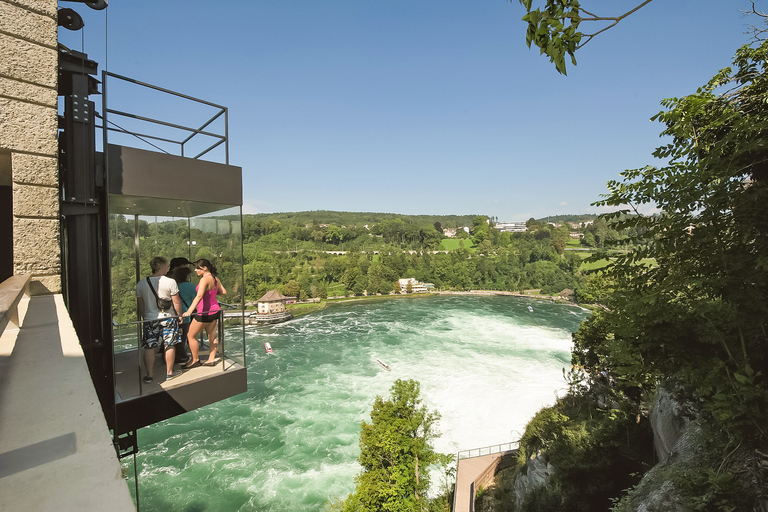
(209, 305)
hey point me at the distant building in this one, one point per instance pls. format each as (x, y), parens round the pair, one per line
(272, 302)
(511, 227)
(416, 287)
(270, 309)
(451, 232)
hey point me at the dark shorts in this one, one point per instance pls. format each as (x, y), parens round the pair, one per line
(207, 318)
(166, 331)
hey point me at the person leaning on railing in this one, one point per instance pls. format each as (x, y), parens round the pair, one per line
(159, 308)
(207, 315)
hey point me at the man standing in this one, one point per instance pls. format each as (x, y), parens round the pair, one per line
(160, 308)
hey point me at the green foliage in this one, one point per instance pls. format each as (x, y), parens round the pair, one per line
(700, 314)
(395, 452)
(555, 29)
(596, 451)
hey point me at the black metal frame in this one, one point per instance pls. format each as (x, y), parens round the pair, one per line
(84, 226)
(85, 243)
(221, 139)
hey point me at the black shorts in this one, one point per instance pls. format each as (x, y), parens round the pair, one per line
(207, 318)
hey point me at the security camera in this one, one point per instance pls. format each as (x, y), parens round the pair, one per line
(93, 4)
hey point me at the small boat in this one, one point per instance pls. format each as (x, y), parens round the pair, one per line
(268, 347)
(530, 309)
(383, 364)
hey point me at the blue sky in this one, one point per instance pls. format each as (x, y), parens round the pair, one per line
(418, 107)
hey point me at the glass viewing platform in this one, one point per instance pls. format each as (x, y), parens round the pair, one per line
(164, 202)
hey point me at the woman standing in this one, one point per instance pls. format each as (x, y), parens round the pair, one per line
(207, 315)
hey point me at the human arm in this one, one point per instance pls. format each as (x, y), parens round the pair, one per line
(140, 307)
(220, 287)
(176, 304)
(202, 287)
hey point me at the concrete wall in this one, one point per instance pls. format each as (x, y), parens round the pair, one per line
(28, 142)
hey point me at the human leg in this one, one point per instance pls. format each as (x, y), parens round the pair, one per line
(213, 340)
(182, 349)
(149, 362)
(194, 329)
(150, 340)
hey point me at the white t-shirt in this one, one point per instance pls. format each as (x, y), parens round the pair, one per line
(165, 288)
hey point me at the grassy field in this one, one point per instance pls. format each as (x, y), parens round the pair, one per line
(304, 308)
(336, 289)
(602, 263)
(451, 244)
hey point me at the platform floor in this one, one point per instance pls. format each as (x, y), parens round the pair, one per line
(129, 372)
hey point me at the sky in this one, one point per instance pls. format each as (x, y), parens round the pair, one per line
(416, 106)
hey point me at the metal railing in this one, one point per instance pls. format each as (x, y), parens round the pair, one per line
(486, 450)
(192, 131)
(127, 338)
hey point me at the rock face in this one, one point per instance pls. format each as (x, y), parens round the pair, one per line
(667, 422)
(537, 474)
(655, 492)
(677, 441)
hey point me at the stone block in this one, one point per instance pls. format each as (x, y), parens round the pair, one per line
(27, 127)
(27, 24)
(36, 246)
(28, 92)
(35, 170)
(45, 285)
(46, 7)
(28, 61)
(35, 201)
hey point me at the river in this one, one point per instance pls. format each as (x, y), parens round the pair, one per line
(290, 443)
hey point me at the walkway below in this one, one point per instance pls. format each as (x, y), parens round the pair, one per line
(468, 471)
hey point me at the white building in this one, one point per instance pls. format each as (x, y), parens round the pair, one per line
(416, 287)
(511, 227)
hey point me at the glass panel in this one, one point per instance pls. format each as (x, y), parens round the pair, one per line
(134, 241)
(218, 238)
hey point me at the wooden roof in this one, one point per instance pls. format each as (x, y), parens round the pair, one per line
(272, 296)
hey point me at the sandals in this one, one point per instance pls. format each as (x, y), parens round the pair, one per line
(193, 365)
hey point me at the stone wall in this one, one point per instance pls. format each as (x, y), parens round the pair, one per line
(28, 126)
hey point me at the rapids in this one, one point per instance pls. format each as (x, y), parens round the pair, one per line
(290, 443)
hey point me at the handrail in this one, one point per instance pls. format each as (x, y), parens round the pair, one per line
(11, 292)
(487, 450)
(479, 452)
(137, 322)
(190, 130)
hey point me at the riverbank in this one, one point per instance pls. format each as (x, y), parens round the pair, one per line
(304, 308)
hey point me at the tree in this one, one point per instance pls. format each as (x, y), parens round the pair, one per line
(395, 452)
(700, 314)
(555, 30)
(291, 289)
(333, 235)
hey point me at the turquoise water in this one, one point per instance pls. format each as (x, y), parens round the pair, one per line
(290, 443)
